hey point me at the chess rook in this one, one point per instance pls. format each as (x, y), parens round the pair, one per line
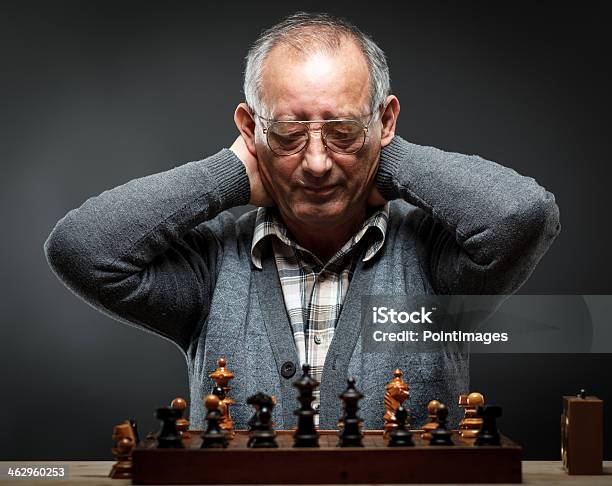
(488, 435)
(169, 437)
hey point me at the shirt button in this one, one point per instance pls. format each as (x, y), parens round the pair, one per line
(317, 339)
(316, 406)
(287, 369)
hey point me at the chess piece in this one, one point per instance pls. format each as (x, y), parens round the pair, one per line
(441, 435)
(471, 423)
(182, 424)
(222, 376)
(488, 434)
(396, 393)
(432, 407)
(214, 436)
(254, 423)
(169, 437)
(256, 401)
(306, 434)
(218, 391)
(125, 441)
(134, 426)
(463, 403)
(261, 432)
(400, 436)
(350, 435)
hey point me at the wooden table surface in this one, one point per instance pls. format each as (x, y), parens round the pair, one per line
(96, 473)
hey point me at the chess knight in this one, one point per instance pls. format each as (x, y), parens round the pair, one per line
(396, 393)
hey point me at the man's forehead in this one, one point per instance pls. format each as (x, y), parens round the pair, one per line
(319, 83)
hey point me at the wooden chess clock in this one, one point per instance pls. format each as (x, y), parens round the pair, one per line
(582, 434)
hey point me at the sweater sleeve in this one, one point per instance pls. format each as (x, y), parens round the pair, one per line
(485, 226)
(139, 252)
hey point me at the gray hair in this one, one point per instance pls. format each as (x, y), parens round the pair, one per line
(310, 33)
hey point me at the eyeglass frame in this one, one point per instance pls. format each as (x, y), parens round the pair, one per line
(308, 129)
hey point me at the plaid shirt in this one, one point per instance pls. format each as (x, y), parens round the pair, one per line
(313, 291)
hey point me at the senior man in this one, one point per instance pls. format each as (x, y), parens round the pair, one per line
(346, 208)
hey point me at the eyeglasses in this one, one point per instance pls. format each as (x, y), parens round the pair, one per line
(291, 137)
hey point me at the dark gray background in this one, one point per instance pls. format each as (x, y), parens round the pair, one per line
(96, 93)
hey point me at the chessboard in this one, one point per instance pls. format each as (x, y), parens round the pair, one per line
(374, 463)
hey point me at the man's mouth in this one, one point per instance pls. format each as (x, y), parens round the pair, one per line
(320, 190)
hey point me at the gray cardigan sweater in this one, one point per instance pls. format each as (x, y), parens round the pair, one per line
(162, 253)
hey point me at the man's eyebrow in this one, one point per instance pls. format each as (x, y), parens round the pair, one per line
(327, 115)
(286, 117)
(354, 115)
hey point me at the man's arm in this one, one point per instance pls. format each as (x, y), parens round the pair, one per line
(134, 251)
(485, 225)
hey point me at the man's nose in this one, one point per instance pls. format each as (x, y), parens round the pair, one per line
(316, 159)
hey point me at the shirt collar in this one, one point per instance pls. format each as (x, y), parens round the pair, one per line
(268, 223)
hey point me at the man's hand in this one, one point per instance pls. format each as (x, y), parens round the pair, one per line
(259, 195)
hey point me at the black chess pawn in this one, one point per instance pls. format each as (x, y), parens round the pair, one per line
(350, 435)
(169, 437)
(214, 437)
(441, 436)
(306, 434)
(261, 432)
(400, 436)
(488, 435)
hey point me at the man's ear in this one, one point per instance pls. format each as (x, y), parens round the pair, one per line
(246, 125)
(389, 120)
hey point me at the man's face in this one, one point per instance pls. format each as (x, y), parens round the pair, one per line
(318, 186)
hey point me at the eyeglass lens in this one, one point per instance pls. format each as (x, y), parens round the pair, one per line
(288, 138)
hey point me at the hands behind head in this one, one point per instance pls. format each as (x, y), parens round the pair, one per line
(259, 195)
